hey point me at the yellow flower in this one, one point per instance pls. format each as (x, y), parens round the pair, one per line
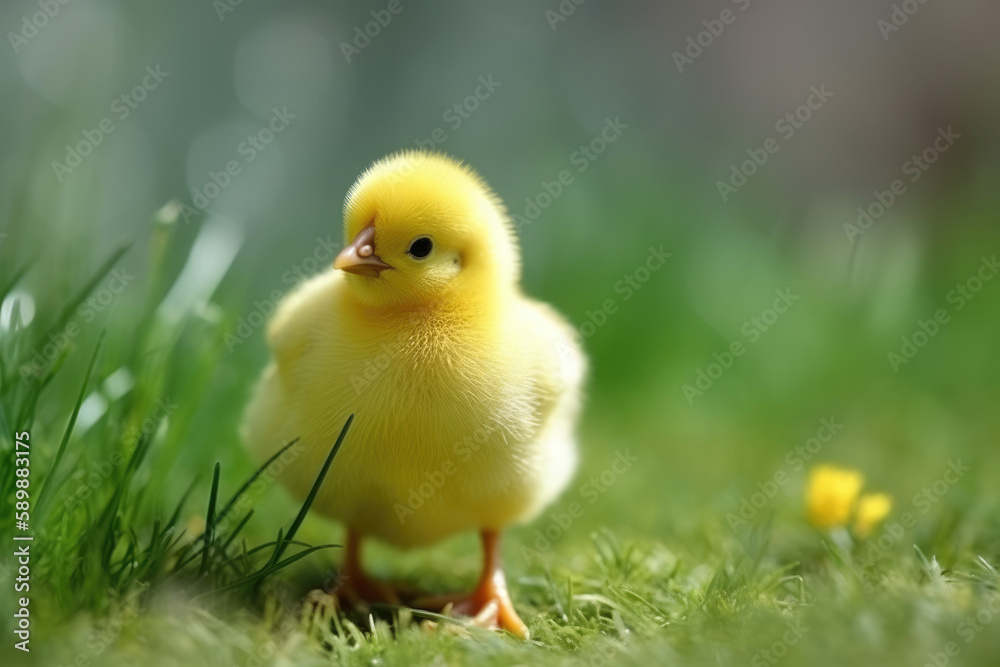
(872, 509)
(831, 494)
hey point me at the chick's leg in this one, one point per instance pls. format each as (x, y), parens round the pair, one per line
(355, 585)
(489, 603)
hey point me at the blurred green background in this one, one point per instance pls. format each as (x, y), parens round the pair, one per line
(518, 91)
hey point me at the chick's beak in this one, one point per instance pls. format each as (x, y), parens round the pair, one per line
(359, 257)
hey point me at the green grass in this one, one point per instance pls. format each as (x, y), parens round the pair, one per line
(155, 534)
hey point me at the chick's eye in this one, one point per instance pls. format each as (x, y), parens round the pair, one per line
(420, 248)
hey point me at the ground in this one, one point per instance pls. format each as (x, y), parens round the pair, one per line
(684, 538)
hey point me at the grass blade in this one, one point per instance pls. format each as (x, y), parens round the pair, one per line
(268, 570)
(78, 298)
(47, 482)
(252, 478)
(6, 288)
(282, 545)
(232, 501)
(210, 519)
(236, 531)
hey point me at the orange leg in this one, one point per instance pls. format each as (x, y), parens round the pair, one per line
(355, 584)
(489, 603)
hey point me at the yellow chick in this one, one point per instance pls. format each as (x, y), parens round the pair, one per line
(466, 392)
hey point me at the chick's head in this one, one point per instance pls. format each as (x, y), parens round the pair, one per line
(420, 228)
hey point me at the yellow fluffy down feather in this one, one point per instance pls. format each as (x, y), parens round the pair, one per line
(466, 392)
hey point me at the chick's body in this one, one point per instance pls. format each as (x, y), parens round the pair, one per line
(465, 391)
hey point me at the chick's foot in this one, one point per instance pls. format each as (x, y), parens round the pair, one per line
(354, 585)
(489, 605)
